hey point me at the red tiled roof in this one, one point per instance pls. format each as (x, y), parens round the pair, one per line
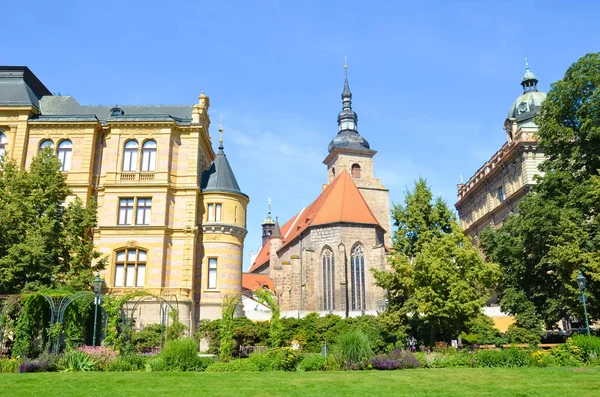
(253, 282)
(341, 201)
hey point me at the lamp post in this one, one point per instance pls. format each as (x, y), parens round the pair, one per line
(581, 282)
(98, 281)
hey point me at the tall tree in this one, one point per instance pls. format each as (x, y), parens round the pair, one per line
(437, 275)
(556, 232)
(42, 241)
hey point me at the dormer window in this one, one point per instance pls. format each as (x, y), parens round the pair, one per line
(116, 112)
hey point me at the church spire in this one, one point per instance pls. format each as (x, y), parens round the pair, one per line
(347, 119)
(529, 81)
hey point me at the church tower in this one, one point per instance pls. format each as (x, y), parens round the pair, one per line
(267, 226)
(223, 234)
(351, 152)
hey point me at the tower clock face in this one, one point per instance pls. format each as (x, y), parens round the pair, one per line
(523, 107)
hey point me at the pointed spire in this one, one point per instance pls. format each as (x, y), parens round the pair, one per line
(221, 134)
(269, 219)
(346, 94)
(276, 230)
(529, 80)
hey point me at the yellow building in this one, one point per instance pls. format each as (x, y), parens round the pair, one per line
(171, 216)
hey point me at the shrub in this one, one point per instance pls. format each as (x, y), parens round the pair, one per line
(76, 360)
(128, 363)
(101, 354)
(504, 358)
(9, 365)
(566, 356)
(517, 334)
(397, 359)
(156, 364)
(148, 339)
(264, 361)
(312, 362)
(354, 346)
(334, 362)
(181, 355)
(542, 358)
(589, 347)
(239, 365)
(284, 358)
(482, 332)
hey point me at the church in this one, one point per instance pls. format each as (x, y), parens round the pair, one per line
(320, 260)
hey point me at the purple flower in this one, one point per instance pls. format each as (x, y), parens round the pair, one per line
(475, 345)
(413, 348)
(423, 347)
(428, 350)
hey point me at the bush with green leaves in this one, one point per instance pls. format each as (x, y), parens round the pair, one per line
(284, 359)
(505, 358)
(156, 364)
(263, 361)
(450, 358)
(182, 355)
(589, 347)
(9, 365)
(312, 362)
(481, 331)
(128, 363)
(148, 339)
(76, 360)
(354, 346)
(239, 365)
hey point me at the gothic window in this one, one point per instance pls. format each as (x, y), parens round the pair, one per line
(328, 280)
(2, 144)
(130, 268)
(130, 156)
(149, 156)
(65, 152)
(355, 171)
(357, 278)
(46, 144)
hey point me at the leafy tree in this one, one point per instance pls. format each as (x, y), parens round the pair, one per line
(42, 241)
(437, 275)
(267, 298)
(556, 232)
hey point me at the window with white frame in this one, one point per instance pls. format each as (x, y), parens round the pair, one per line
(65, 151)
(328, 279)
(130, 156)
(3, 144)
(130, 268)
(212, 273)
(217, 212)
(144, 210)
(125, 211)
(149, 156)
(46, 144)
(213, 213)
(357, 278)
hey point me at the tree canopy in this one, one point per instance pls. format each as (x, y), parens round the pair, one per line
(556, 232)
(437, 275)
(43, 241)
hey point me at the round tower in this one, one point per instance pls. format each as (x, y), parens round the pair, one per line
(223, 232)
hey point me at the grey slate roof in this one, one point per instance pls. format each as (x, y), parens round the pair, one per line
(220, 177)
(20, 87)
(68, 106)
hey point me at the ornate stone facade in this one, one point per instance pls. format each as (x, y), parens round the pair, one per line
(163, 225)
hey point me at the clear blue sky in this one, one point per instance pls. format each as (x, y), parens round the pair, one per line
(432, 81)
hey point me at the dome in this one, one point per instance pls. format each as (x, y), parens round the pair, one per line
(348, 139)
(529, 76)
(527, 106)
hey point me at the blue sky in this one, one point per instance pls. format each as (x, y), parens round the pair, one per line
(432, 80)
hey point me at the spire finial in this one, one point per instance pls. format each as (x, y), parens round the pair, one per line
(269, 202)
(526, 65)
(221, 133)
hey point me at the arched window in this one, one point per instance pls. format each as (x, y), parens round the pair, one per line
(130, 268)
(65, 151)
(357, 278)
(328, 280)
(355, 171)
(46, 144)
(149, 156)
(2, 144)
(130, 156)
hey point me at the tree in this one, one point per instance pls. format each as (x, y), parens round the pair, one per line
(267, 298)
(42, 241)
(437, 275)
(556, 232)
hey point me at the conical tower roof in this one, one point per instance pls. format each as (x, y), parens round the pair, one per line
(220, 177)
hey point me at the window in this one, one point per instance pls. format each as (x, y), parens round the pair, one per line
(65, 151)
(116, 112)
(218, 212)
(130, 268)
(211, 212)
(2, 144)
(500, 195)
(328, 280)
(144, 209)
(46, 144)
(125, 211)
(130, 156)
(212, 273)
(357, 278)
(149, 156)
(355, 171)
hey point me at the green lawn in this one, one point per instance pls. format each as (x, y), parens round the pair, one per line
(423, 382)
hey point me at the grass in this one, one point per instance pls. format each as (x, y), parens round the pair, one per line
(431, 382)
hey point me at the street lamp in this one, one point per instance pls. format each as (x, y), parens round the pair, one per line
(581, 282)
(98, 282)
